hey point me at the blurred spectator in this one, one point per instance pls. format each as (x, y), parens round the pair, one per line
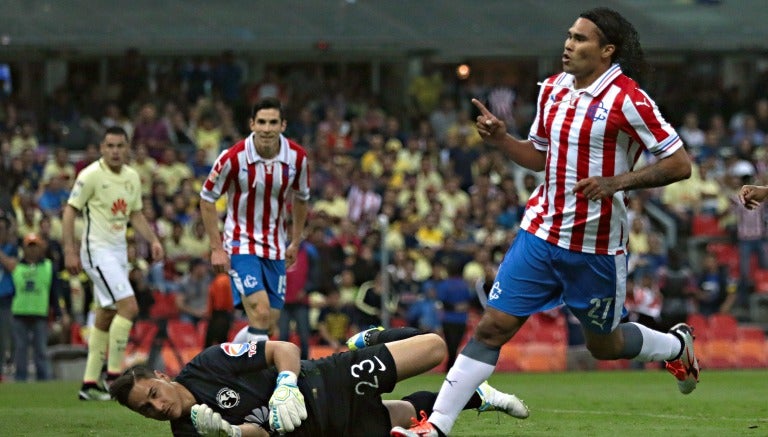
(424, 90)
(442, 118)
(208, 136)
(220, 308)
(644, 300)
(172, 169)
(53, 196)
(226, 78)
(691, 133)
(144, 297)
(59, 168)
(750, 231)
(369, 303)
(192, 296)
(677, 285)
(114, 116)
(9, 251)
(151, 132)
(335, 321)
(24, 137)
(145, 166)
(37, 294)
(455, 296)
(196, 79)
(301, 279)
(90, 155)
(717, 292)
(13, 178)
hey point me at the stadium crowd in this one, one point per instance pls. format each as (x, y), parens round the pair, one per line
(453, 204)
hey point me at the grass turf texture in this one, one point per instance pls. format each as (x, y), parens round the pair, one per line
(644, 403)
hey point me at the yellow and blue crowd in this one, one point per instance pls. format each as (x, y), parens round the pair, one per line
(452, 204)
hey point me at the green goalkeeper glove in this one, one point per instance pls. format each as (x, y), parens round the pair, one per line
(209, 423)
(286, 406)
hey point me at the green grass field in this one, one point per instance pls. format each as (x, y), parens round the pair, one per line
(644, 403)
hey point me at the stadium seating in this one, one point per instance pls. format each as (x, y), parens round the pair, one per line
(699, 323)
(726, 254)
(722, 327)
(706, 226)
(183, 343)
(140, 341)
(164, 306)
(760, 278)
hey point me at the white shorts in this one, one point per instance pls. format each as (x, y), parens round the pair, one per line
(109, 275)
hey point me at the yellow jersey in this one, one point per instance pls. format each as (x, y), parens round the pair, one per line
(106, 200)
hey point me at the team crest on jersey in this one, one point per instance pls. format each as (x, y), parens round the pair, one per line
(250, 281)
(495, 291)
(291, 171)
(227, 398)
(597, 111)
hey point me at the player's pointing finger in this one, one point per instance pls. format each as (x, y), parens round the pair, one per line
(482, 108)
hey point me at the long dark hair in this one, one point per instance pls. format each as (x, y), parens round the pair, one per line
(618, 31)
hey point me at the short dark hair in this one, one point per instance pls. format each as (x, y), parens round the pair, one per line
(122, 386)
(115, 130)
(617, 30)
(267, 103)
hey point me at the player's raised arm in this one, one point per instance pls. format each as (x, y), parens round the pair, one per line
(494, 132)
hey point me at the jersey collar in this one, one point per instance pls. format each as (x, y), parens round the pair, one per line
(253, 156)
(599, 85)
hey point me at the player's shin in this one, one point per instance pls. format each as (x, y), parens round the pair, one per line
(119, 331)
(474, 365)
(645, 345)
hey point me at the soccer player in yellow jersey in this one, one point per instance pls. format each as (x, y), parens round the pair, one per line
(108, 194)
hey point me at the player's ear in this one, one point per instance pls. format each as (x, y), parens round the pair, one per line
(161, 375)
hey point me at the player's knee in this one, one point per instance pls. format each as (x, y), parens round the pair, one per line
(128, 308)
(437, 349)
(602, 351)
(494, 332)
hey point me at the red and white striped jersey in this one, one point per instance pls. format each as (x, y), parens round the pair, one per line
(600, 130)
(257, 190)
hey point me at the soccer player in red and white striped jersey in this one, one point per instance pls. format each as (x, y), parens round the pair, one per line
(592, 123)
(258, 175)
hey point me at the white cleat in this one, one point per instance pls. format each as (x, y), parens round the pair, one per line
(495, 400)
(686, 368)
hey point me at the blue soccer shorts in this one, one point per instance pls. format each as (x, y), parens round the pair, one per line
(251, 274)
(536, 276)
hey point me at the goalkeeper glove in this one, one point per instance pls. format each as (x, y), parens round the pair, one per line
(210, 424)
(286, 406)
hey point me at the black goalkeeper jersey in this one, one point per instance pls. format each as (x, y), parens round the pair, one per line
(235, 381)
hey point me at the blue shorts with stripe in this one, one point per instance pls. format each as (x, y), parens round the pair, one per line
(536, 276)
(252, 273)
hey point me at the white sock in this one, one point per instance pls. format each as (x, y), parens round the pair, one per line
(241, 336)
(244, 336)
(458, 387)
(657, 346)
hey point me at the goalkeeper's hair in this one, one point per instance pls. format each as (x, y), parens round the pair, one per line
(617, 30)
(121, 387)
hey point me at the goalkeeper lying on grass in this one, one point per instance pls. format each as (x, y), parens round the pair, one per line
(263, 388)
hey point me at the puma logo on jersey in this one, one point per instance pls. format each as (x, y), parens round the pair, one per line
(600, 324)
(643, 102)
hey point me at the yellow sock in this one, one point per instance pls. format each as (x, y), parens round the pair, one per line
(119, 331)
(97, 352)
